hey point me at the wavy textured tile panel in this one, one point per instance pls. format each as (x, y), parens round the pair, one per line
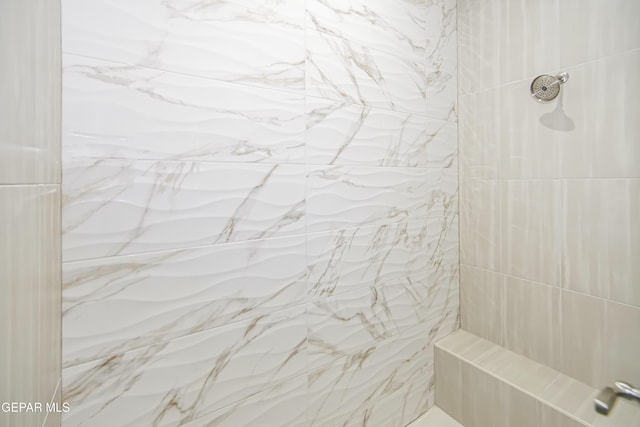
(342, 393)
(442, 60)
(343, 197)
(352, 323)
(442, 197)
(260, 45)
(347, 259)
(178, 381)
(164, 295)
(347, 71)
(442, 144)
(341, 133)
(118, 207)
(390, 25)
(122, 111)
(282, 405)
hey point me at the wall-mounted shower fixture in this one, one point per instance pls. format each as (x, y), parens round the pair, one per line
(546, 88)
(608, 395)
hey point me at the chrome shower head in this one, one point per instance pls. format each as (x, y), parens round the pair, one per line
(546, 88)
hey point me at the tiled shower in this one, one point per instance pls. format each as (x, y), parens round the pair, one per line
(251, 209)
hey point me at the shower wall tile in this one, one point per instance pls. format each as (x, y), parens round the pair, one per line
(480, 31)
(283, 404)
(448, 383)
(344, 260)
(442, 197)
(30, 98)
(29, 298)
(442, 251)
(343, 393)
(533, 45)
(480, 238)
(622, 343)
(611, 29)
(442, 59)
(344, 70)
(442, 144)
(395, 26)
(118, 207)
(180, 380)
(342, 133)
(242, 42)
(345, 197)
(531, 214)
(479, 135)
(601, 242)
(482, 304)
(192, 289)
(531, 319)
(122, 111)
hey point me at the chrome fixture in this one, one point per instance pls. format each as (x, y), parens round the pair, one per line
(607, 397)
(546, 88)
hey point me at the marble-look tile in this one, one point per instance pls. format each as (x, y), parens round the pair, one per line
(479, 135)
(612, 28)
(118, 207)
(480, 230)
(344, 70)
(342, 393)
(442, 192)
(531, 230)
(481, 303)
(344, 197)
(442, 59)
(164, 295)
(342, 133)
(178, 381)
(30, 93)
(448, 383)
(249, 43)
(532, 46)
(480, 32)
(442, 143)
(396, 26)
(584, 331)
(601, 242)
(352, 323)
(531, 321)
(284, 404)
(113, 110)
(29, 298)
(343, 260)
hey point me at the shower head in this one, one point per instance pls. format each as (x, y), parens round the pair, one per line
(546, 88)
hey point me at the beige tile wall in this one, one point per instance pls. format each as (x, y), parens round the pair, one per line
(30, 286)
(550, 193)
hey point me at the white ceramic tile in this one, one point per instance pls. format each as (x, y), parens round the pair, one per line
(531, 230)
(480, 234)
(343, 197)
(353, 323)
(601, 242)
(178, 381)
(442, 192)
(343, 393)
(442, 59)
(344, 70)
(347, 259)
(341, 133)
(30, 92)
(442, 144)
(164, 295)
(113, 110)
(254, 44)
(29, 298)
(390, 25)
(117, 207)
(282, 405)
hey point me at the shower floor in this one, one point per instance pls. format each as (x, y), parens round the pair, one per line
(435, 417)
